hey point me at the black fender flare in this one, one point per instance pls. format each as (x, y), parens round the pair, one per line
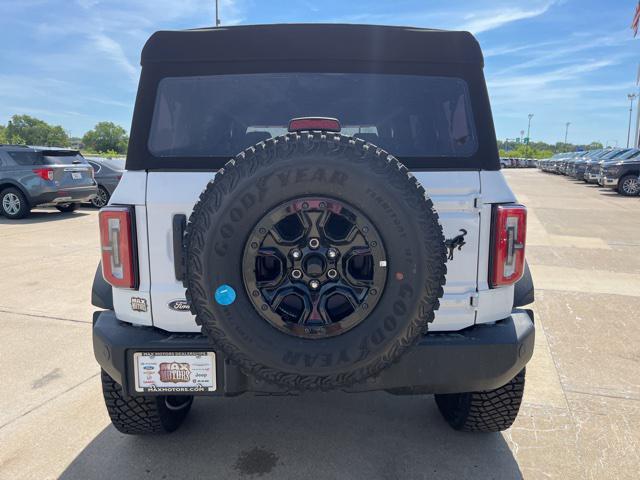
(101, 292)
(524, 292)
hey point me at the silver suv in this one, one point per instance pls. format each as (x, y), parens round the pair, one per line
(43, 176)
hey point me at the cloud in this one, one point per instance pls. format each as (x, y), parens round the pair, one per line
(510, 49)
(570, 72)
(491, 19)
(114, 51)
(564, 51)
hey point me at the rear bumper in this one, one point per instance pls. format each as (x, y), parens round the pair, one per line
(71, 195)
(482, 357)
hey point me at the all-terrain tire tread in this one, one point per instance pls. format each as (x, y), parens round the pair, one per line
(361, 153)
(488, 411)
(137, 415)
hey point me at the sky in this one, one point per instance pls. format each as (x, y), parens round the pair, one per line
(76, 62)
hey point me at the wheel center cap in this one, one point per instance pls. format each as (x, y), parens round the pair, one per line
(314, 265)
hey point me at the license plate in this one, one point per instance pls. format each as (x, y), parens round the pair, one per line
(76, 175)
(175, 371)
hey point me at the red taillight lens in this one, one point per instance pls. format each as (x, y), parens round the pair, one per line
(508, 242)
(44, 173)
(314, 123)
(117, 242)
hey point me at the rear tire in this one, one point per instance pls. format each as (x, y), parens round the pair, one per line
(143, 415)
(13, 204)
(67, 207)
(488, 411)
(629, 186)
(101, 199)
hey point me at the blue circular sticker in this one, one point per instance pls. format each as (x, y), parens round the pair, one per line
(225, 295)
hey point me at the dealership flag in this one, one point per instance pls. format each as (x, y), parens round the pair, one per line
(636, 20)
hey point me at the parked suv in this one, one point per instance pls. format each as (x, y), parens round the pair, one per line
(623, 175)
(301, 211)
(43, 176)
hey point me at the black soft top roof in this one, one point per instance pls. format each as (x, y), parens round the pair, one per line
(310, 41)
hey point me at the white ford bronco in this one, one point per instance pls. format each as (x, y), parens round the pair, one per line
(312, 207)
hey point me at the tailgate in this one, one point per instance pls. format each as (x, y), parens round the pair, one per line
(70, 169)
(72, 176)
(455, 195)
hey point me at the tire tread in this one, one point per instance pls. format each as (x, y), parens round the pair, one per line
(360, 153)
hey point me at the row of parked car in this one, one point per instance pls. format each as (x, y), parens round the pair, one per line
(617, 168)
(60, 177)
(517, 162)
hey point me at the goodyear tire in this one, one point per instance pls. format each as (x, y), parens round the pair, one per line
(316, 169)
(488, 411)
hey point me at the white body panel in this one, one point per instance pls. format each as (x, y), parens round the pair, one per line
(462, 200)
(131, 190)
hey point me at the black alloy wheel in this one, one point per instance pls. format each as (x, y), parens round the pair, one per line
(308, 267)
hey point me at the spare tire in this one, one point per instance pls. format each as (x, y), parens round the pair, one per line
(314, 260)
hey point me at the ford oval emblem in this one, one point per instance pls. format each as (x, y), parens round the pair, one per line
(180, 306)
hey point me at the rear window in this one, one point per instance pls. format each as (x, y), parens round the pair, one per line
(54, 157)
(408, 115)
(27, 157)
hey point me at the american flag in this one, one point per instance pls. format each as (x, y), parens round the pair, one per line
(636, 20)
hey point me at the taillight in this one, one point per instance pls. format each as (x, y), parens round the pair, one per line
(508, 241)
(117, 242)
(44, 173)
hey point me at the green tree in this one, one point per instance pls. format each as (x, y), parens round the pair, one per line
(106, 136)
(3, 134)
(33, 131)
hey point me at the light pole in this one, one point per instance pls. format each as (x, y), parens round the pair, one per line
(217, 17)
(566, 133)
(631, 97)
(529, 132)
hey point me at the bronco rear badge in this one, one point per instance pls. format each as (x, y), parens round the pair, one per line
(455, 242)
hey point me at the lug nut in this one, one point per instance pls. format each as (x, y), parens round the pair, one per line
(314, 284)
(296, 274)
(332, 253)
(332, 273)
(314, 243)
(296, 254)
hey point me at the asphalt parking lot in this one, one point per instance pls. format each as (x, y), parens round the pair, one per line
(580, 418)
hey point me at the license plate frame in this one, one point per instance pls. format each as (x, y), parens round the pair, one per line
(76, 175)
(182, 372)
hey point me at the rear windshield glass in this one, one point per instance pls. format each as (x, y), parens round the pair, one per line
(27, 157)
(62, 158)
(408, 115)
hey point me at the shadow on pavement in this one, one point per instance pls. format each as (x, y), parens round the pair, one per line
(42, 216)
(334, 435)
(614, 193)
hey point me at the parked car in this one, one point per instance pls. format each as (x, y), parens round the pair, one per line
(43, 176)
(576, 166)
(107, 173)
(593, 165)
(315, 259)
(622, 175)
